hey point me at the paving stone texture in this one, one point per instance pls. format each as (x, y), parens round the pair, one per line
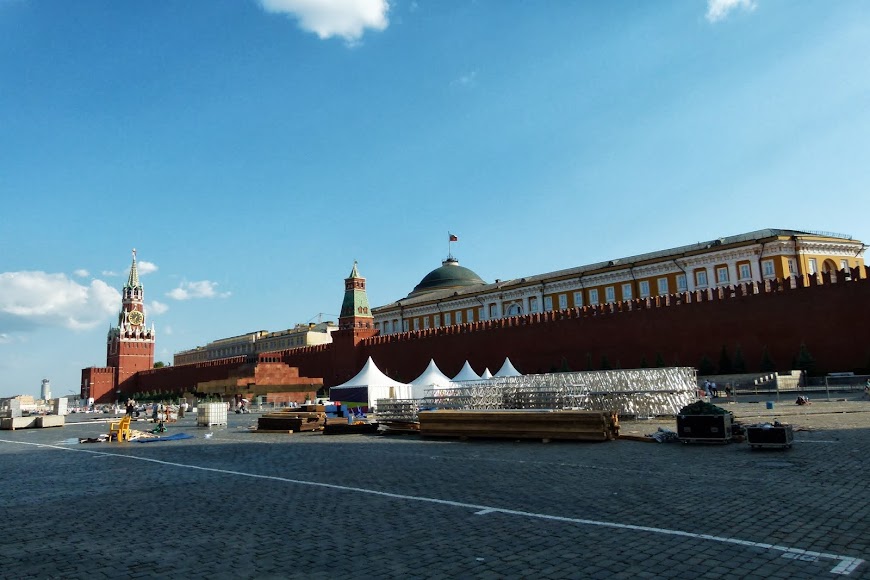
(248, 505)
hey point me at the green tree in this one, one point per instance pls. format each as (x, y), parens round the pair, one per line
(725, 366)
(739, 365)
(705, 366)
(159, 364)
(767, 364)
(805, 360)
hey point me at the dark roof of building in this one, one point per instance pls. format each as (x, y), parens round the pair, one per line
(449, 275)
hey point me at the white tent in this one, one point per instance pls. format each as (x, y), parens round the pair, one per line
(432, 377)
(486, 374)
(508, 370)
(466, 374)
(370, 384)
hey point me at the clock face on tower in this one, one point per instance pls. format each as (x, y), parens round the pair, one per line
(136, 318)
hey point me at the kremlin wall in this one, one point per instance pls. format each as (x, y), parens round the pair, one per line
(827, 314)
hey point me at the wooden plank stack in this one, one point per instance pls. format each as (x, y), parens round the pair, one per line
(293, 420)
(521, 424)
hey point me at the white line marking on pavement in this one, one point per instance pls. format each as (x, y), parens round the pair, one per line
(845, 566)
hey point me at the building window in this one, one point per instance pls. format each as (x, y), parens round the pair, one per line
(644, 288)
(493, 310)
(563, 301)
(610, 294)
(446, 319)
(386, 327)
(426, 322)
(745, 272)
(812, 266)
(681, 283)
(791, 267)
(722, 275)
(767, 269)
(437, 321)
(405, 325)
(578, 299)
(458, 317)
(416, 324)
(663, 285)
(626, 291)
(470, 317)
(480, 313)
(548, 303)
(593, 296)
(514, 309)
(533, 304)
(844, 265)
(701, 278)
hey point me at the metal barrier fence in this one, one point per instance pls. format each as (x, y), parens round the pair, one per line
(825, 384)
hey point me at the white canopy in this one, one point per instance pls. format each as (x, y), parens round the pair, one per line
(486, 374)
(431, 377)
(466, 374)
(508, 370)
(370, 384)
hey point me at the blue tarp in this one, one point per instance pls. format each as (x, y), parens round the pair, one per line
(174, 437)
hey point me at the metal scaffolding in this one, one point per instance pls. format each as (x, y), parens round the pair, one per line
(635, 392)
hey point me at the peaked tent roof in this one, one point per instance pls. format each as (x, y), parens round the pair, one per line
(508, 370)
(466, 374)
(370, 376)
(486, 374)
(431, 377)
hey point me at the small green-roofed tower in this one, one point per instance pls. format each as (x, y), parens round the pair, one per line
(355, 311)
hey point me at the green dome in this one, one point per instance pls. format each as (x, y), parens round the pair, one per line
(449, 275)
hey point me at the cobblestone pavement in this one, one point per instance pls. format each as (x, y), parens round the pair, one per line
(249, 505)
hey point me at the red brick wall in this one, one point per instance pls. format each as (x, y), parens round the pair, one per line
(832, 319)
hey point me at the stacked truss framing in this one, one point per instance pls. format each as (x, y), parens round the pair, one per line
(635, 392)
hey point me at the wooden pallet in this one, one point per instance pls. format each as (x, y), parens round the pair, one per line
(521, 424)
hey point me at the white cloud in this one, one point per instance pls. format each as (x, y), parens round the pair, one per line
(81, 273)
(347, 19)
(145, 268)
(191, 290)
(719, 9)
(35, 299)
(157, 307)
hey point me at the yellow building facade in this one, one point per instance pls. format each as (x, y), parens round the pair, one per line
(453, 294)
(254, 343)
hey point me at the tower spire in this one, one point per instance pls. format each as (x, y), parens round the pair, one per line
(133, 280)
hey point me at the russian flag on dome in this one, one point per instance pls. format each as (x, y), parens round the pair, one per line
(453, 238)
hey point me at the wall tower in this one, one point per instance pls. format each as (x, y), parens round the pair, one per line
(130, 344)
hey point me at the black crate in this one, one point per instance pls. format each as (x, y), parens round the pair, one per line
(778, 436)
(704, 428)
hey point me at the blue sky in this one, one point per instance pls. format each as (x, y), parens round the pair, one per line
(251, 150)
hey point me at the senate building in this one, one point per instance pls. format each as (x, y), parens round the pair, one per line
(453, 294)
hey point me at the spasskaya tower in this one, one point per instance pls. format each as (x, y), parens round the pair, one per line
(130, 344)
